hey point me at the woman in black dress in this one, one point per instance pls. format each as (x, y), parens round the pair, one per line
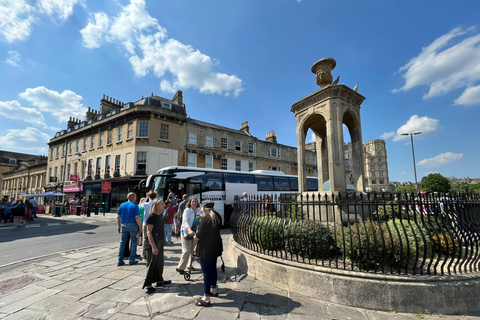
(209, 248)
(154, 247)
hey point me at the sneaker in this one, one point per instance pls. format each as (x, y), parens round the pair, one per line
(132, 262)
(180, 271)
(121, 263)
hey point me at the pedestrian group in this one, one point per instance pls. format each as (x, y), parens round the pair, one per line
(154, 222)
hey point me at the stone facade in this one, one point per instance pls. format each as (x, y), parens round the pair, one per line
(123, 143)
(376, 166)
(27, 176)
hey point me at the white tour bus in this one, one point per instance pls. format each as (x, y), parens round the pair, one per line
(221, 186)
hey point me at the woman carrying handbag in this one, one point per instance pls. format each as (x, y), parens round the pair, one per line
(209, 248)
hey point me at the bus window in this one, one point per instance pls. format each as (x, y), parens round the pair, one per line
(264, 183)
(238, 178)
(211, 181)
(312, 184)
(281, 184)
(293, 184)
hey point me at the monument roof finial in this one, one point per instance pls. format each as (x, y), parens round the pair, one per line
(323, 69)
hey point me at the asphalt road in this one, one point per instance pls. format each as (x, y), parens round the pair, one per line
(47, 234)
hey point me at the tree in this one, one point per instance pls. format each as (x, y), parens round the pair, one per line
(457, 185)
(435, 182)
(405, 189)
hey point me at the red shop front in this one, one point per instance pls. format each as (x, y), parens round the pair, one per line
(74, 193)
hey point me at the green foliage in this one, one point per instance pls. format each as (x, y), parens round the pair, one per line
(310, 239)
(267, 232)
(389, 211)
(370, 244)
(446, 245)
(435, 182)
(405, 189)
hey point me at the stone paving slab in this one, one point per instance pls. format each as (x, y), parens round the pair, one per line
(87, 284)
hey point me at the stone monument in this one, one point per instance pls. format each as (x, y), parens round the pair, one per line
(325, 111)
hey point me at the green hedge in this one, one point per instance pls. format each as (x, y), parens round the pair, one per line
(310, 239)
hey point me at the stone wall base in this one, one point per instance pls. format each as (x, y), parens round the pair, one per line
(414, 294)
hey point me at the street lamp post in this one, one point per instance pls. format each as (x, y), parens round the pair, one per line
(413, 153)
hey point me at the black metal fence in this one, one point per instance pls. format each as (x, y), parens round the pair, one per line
(381, 233)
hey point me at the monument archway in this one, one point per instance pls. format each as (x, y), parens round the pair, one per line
(324, 112)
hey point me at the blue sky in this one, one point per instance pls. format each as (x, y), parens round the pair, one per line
(416, 62)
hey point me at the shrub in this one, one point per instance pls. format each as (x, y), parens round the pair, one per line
(370, 244)
(446, 245)
(310, 239)
(267, 232)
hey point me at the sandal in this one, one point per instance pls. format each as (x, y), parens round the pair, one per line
(214, 294)
(202, 303)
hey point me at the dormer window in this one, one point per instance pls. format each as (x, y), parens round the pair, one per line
(167, 106)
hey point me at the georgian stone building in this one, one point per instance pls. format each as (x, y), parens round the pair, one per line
(122, 143)
(26, 177)
(375, 165)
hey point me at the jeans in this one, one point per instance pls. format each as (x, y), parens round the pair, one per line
(168, 233)
(126, 229)
(209, 270)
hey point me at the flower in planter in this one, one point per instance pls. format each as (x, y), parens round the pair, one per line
(116, 174)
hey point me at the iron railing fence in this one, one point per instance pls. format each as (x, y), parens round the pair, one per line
(381, 233)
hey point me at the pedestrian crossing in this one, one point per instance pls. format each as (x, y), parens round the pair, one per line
(53, 224)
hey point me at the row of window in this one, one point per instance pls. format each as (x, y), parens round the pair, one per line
(373, 175)
(87, 168)
(192, 162)
(81, 145)
(213, 181)
(379, 182)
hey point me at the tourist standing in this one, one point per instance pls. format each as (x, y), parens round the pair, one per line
(34, 204)
(190, 220)
(151, 195)
(168, 222)
(209, 248)
(128, 223)
(154, 247)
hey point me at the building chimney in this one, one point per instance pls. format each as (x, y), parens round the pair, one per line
(271, 137)
(245, 128)
(71, 123)
(90, 114)
(178, 98)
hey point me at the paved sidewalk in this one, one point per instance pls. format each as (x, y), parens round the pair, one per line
(87, 284)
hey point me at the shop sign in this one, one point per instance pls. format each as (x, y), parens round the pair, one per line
(74, 177)
(72, 189)
(106, 187)
(96, 185)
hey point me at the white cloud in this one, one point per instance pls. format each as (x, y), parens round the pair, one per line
(441, 160)
(425, 125)
(94, 33)
(471, 96)
(26, 140)
(150, 51)
(13, 58)
(444, 66)
(14, 110)
(62, 8)
(61, 105)
(17, 17)
(387, 135)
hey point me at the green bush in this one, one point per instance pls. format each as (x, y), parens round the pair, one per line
(370, 244)
(390, 211)
(310, 239)
(267, 232)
